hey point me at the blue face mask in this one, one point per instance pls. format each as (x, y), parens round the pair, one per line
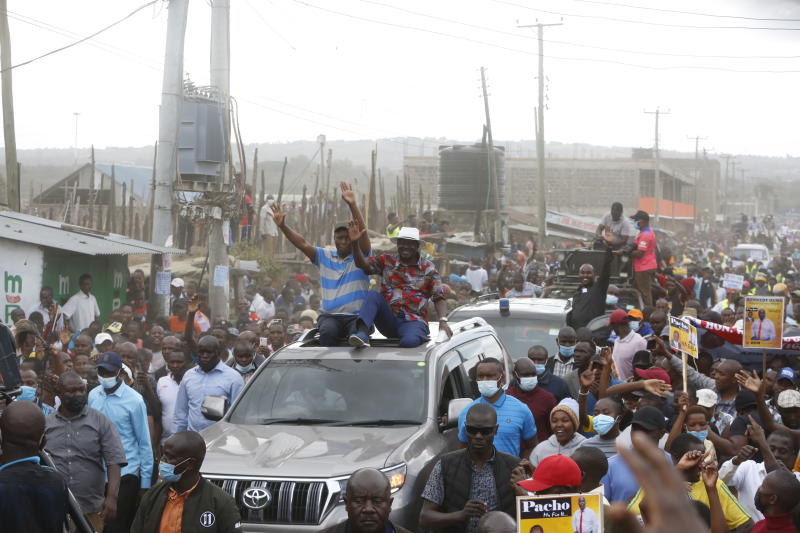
(612, 299)
(566, 351)
(701, 435)
(602, 424)
(540, 369)
(108, 383)
(634, 325)
(27, 394)
(528, 383)
(166, 471)
(245, 369)
(488, 388)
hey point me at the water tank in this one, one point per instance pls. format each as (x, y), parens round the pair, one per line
(464, 178)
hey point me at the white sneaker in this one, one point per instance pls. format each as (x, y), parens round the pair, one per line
(357, 342)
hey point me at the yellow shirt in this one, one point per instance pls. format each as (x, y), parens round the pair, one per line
(172, 515)
(735, 516)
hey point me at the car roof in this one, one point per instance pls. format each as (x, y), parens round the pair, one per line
(751, 247)
(518, 306)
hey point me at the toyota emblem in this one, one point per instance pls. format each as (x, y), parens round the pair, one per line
(256, 498)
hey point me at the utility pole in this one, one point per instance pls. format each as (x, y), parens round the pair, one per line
(656, 168)
(322, 181)
(541, 191)
(220, 79)
(75, 142)
(9, 191)
(724, 195)
(497, 226)
(169, 117)
(697, 140)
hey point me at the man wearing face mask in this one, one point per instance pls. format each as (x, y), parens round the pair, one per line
(84, 445)
(590, 300)
(538, 400)
(605, 423)
(545, 379)
(516, 433)
(776, 499)
(184, 500)
(628, 343)
(562, 364)
(243, 361)
(127, 411)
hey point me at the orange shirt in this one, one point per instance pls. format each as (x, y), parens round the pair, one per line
(176, 325)
(172, 515)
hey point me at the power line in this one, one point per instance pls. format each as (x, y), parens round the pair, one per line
(693, 13)
(631, 21)
(527, 52)
(95, 34)
(268, 25)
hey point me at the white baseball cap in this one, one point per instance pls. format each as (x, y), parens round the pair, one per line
(409, 234)
(788, 399)
(101, 338)
(177, 282)
(706, 398)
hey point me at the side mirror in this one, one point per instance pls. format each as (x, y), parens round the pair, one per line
(454, 409)
(213, 407)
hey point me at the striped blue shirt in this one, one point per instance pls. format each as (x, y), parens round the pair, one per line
(344, 285)
(514, 419)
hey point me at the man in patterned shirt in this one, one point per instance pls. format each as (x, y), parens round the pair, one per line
(408, 282)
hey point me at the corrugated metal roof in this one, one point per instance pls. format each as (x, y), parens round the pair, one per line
(49, 233)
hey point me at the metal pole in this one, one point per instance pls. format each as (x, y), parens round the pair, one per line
(541, 205)
(166, 167)
(491, 161)
(9, 191)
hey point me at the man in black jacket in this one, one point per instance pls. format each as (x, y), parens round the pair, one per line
(184, 499)
(466, 484)
(589, 301)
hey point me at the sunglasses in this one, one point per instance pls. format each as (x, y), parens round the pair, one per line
(474, 430)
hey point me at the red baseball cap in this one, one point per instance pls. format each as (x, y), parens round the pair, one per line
(554, 471)
(619, 316)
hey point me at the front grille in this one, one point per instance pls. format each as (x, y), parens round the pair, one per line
(293, 501)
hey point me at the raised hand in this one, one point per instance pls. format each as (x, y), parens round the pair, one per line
(690, 460)
(746, 453)
(277, 215)
(348, 194)
(755, 432)
(683, 401)
(710, 475)
(749, 381)
(193, 304)
(586, 378)
(354, 231)
(657, 387)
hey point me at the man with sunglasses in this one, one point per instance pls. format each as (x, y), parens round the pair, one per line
(184, 500)
(466, 484)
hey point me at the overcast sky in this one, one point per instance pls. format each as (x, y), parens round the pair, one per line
(339, 67)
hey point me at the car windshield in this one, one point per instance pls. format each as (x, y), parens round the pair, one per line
(744, 253)
(335, 391)
(519, 334)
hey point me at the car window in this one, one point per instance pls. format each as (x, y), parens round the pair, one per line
(451, 382)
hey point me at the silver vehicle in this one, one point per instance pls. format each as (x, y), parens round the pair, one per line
(313, 415)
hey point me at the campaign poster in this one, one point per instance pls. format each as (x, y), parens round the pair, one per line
(763, 322)
(560, 513)
(733, 281)
(682, 336)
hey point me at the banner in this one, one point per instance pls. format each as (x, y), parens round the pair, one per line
(733, 282)
(560, 513)
(723, 342)
(683, 337)
(763, 322)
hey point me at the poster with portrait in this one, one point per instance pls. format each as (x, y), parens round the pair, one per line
(561, 513)
(682, 336)
(763, 322)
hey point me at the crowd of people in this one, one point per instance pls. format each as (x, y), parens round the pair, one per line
(117, 403)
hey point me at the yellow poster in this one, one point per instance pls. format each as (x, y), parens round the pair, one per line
(763, 322)
(682, 336)
(560, 513)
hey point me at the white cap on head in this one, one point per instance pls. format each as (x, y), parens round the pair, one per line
(572, 404)
(128, 371)
(788, 399)
(409, 234)
(706, 398)
(177, 282)
(100, 338)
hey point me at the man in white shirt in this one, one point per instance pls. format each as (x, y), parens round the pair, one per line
(178, 362)
(477, 277)
(268, 228)
(523, 289)
(259, 306)
(585, 519)
(763, 329)
(81, 309)
(45, 304)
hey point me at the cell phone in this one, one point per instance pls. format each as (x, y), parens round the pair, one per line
(263, 341)
(651, 341)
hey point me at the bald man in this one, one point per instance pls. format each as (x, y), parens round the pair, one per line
(184, 500)
(526, 389)
(724, 382)
(496, 522)
(33, 498)
(368, 502)
(589, 300)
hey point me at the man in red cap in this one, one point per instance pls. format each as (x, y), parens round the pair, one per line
(628, 343)
(557, 474)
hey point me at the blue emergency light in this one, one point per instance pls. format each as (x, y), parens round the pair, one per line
(505, 307)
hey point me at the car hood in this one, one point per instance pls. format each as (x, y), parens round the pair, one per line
(298, 451)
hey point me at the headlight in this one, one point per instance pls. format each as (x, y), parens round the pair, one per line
(395, 474)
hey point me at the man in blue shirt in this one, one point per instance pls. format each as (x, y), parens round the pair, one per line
(344, 286)
(211, 377)
(516, 431)
(126, 409)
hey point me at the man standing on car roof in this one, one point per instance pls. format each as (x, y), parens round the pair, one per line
(344, 285)
(589, 300)
(614, 228)
(645, 261)
(408, 282)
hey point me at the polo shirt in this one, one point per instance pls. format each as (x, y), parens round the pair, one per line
(126, 409)
(167, 391)
(514, 419)
(344, 286)
(619, 483)
(607, 446)
(540, 402)
(624, 350)
(196, 384)
(645, 241)
(81, 448)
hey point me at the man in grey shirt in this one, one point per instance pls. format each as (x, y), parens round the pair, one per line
(616, 227)
(84, 445)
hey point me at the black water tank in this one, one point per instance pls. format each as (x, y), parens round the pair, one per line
(464, 182)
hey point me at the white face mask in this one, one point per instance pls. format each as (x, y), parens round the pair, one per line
(528, 383)
(488, 388)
